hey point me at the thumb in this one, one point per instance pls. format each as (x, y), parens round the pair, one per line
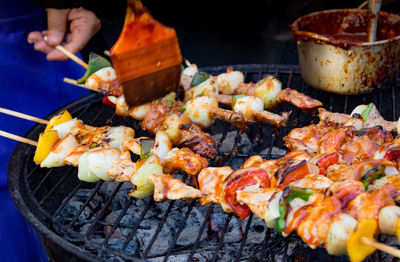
(57, 24)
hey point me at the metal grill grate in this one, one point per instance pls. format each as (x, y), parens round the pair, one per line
(44, 195)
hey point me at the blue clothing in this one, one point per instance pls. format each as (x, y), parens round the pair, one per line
(29, 84)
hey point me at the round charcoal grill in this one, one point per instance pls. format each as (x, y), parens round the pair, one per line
(80, 221)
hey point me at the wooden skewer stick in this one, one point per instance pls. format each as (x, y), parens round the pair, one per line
(385, 248)
(107, 53)
(18, 138)
(363, 4)
(70, 55)
(23, 116)
(73, 82)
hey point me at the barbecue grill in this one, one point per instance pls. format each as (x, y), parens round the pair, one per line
(79, 221)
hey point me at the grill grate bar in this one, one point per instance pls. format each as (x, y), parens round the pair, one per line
(221, 237)
(244, 237)
(95, 189)
(118, 220)
(56, 186)
(32, 171)
(178, 233)
(67, 199)
(160, 225)
(132, 233)
(101, 212)
(393, 105)
(203, 226)
(34, 191)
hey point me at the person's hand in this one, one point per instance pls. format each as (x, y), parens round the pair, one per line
(71, 28)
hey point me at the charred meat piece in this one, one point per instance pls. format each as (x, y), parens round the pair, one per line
(210, 183)
(271, 118)
(297, 99)
(168, 187)
(184, 159)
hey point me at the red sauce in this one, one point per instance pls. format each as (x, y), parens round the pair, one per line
(344, 27)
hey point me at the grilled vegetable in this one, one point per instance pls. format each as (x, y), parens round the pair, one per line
(267, 89)
(372, 175)
(95, 63)
(272, 210)
(103, 74)
(388, 218)
(206, 88)
(66, 127)
(366, 111)
(45, 142)
(139, 112)
(99, 161)
(198, 110)
(228, 82)
(146, 145)
(59, 151)
(248, 105)
(60, 118)
(142, 186)
(116, 134)
(198, 78)
(162, 144)
(289, 194)
(356, 249)
(84, 173)
(239, 180)
(339, 233)
(359, 110)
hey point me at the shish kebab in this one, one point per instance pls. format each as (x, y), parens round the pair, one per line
(249, 101)
(107, 157)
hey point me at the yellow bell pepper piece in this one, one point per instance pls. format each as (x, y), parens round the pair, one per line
(45, 142)
(398, 230)
(356, 249)
(60, 118)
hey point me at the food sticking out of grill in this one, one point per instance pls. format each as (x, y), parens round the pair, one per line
(146, 57)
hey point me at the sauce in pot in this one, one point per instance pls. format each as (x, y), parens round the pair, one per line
(344, 27)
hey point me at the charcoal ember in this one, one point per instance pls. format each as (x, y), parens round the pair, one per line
(117, 245)
(233, 231)
(191, 228)
(144, 235)
(122, 198)
(126, 224)
(228, 143)
(68, 213)
(256, 233)
(107, 189)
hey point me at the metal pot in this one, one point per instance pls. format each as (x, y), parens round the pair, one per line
(335, 57)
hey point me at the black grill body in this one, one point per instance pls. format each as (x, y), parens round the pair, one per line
(80, 221)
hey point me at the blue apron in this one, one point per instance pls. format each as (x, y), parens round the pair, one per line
(29, 84)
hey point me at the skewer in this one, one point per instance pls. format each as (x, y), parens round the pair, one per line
(70, 55)
(380, 246)
(73, 82)
(107, 53)
(18, 138)
(23, 116)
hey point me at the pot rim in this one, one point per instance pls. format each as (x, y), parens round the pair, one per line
(319, 37)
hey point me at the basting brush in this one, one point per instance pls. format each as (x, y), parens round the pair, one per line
(146, 56)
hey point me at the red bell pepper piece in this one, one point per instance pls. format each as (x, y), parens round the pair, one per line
(327, 161)
(107, 102)
(240, 181)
